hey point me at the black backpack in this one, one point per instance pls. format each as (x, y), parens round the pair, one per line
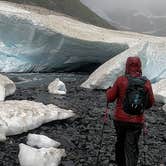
(136, 97)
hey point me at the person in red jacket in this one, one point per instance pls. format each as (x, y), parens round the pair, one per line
(128, 127)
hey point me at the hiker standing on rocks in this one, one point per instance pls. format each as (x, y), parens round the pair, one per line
(133, 94)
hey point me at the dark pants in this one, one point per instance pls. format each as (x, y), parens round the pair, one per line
(126, 147)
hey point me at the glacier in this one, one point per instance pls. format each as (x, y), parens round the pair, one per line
(18, 116)
(153, 60)
(28, 44)
(35, 42)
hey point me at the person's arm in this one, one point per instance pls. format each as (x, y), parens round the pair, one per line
(112, 92)
(150, 94)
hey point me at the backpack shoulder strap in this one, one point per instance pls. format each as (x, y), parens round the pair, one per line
(144, 78)
(127, 76)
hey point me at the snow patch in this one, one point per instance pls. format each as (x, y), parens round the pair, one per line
(29, 156)
(164, 107)
(153, 60)
(107, 73)
(41, 141)
(57, 87)
(7, 87)
(159, 90)
(20, 116)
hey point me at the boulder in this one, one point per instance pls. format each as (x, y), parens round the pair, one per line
(41, 141)
(57, 87)
(29, 156)
(20, 116)
(7, 87)
(159, 90)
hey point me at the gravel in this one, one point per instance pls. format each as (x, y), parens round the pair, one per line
(81, 135)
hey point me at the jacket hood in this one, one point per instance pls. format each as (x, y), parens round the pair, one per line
(133, 66)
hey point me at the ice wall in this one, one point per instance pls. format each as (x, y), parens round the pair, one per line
(28, 47)
(32, 41)
(153, 65)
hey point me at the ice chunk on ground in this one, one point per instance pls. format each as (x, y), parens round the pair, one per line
(159, 90)
(164, 107)
(41, 141)
(57, 87)
(3, 129)
(107, 73)
(20, 116)
(7, 87)
(29, 156)
(153, 65)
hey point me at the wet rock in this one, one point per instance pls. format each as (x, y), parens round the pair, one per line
(164, 137)
(68, 163)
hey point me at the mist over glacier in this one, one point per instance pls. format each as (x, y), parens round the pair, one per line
(144, 16)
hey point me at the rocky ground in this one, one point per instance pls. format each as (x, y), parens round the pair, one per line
(81, 136)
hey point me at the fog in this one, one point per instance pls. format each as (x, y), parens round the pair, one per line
(146, 16)
(142, 5)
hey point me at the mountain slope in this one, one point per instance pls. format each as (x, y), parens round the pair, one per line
(72, 8)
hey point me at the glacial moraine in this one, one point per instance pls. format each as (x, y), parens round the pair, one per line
(80, 136)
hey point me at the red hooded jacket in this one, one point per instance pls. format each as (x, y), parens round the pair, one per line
(117, 92)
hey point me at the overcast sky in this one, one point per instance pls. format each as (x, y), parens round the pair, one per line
(145, 16)
(142, 5)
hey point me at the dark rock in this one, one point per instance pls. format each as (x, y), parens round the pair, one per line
(81, 135)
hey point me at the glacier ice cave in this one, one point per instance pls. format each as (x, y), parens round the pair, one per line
(28, 46)
(35, 42)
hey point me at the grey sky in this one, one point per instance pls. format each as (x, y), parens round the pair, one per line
(146, 16)
(128, 4)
